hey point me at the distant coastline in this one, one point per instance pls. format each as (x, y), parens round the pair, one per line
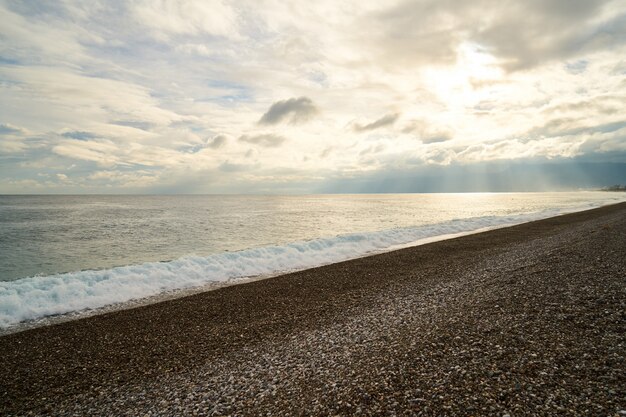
(614, 188)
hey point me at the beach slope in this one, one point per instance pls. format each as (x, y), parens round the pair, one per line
(522, 320)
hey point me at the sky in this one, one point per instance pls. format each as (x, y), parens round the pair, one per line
(203, 96)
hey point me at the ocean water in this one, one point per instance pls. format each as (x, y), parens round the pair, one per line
(63, 254)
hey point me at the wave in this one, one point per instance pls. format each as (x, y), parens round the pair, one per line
(41, 296)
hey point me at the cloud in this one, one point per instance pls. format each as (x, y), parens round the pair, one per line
(607, 104)
(426, 133)
(32, 41)
(79, 135)
(386, 120)
(72, 98)
(577, 67)
(9, 129)
(373, 149)
(268, 140)
(13, 139)
(135, 124)
(217, 141)
(187, 17)
(413, 33)
(11, 146)
(570, 126)
(230, 167)
(429, 32)
(326, 151)
(138, 180)
(436, 138)
(102, 152)
(574, 27)
(293, 110)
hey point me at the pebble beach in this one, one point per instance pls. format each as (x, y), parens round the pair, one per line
(524, 320)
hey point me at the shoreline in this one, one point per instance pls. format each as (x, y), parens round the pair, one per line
(215, 285)
(176, 293)
(388, 323)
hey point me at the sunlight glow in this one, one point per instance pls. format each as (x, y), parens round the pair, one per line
(465, 83)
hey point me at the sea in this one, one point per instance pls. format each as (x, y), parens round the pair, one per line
(71, 255)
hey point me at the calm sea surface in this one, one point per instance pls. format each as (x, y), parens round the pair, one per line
(61, 254)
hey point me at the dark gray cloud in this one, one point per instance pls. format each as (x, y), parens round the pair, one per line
(386, 120)
(293, 110)
(217, 141)
(268, 140)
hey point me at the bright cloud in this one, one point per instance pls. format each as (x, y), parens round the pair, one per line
(216, 96)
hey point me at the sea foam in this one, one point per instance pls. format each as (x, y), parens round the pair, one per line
(40, 296)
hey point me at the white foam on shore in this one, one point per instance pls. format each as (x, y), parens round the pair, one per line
(41, 296)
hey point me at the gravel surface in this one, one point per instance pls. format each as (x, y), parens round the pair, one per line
(528, 320)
